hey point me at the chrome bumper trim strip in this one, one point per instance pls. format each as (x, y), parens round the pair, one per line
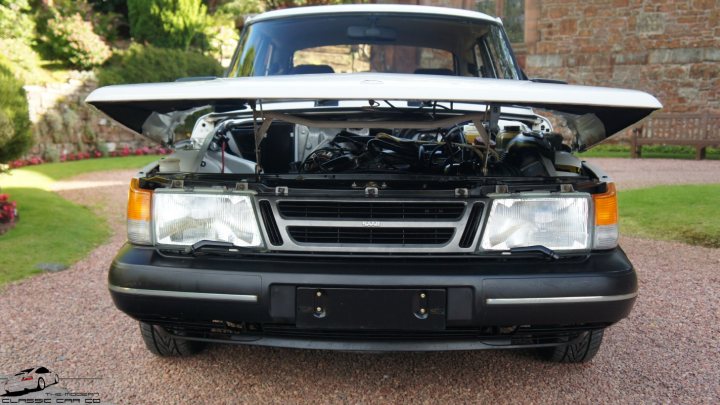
(185, 294)
(559, 300)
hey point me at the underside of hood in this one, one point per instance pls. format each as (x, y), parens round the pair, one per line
(594, 113)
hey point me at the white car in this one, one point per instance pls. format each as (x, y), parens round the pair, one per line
(36, 378)
(374, 177)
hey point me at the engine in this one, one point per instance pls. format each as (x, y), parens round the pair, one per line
(457, 151)
(513, 150)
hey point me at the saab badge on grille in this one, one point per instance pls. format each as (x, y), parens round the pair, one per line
(371, 224)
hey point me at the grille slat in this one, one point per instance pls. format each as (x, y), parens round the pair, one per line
(471, 228)
(270, 224)
(390, 236)
(371, 210)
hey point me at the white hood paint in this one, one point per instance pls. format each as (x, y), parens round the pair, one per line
(132, 104)
(378, 86)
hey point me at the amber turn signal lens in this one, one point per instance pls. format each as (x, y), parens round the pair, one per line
(606, 208)
(138, 202)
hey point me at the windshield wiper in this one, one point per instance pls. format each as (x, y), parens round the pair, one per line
(545, 251)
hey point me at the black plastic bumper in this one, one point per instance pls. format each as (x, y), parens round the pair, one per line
(264, 299)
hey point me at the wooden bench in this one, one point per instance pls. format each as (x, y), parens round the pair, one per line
(698, 129)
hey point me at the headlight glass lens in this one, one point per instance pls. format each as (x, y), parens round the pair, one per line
(187, 218)
(558, 223)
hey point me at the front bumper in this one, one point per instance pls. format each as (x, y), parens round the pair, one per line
(487, 302)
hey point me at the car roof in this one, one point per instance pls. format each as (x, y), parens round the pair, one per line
(372, 8)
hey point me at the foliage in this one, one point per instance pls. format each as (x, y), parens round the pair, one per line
(275, 4)
(108, 25)
(110, 18)
(110, 6)
(687, 214)
(167, 23)
(17, 29)
(239, 8)
(147, 64)
(105, 19)
(15, 136)
(72, 39)
(513, 16)
(15, 20)
(222, 41)
(8, 213)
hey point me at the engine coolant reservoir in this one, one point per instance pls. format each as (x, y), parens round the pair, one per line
(506, 135)
(472, 136)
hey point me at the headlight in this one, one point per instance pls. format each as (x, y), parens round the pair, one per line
(186, 218)
(558, 223)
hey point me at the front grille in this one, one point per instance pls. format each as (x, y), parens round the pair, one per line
(371, 210)
(387, 236)
(361, 225)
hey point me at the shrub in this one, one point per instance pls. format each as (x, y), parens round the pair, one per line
(72, 39)
(238, 8)
(167, 23)
(15, 20)
(147, 64)
(15, 136)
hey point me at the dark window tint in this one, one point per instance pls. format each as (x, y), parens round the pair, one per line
(385, 43)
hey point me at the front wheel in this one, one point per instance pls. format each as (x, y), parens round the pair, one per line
(580, 351)
(41, 384)
(160, 343)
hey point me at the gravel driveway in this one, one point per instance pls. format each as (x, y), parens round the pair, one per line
(667, 351)
(640, 173)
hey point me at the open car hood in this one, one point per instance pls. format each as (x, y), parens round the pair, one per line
(154, 110)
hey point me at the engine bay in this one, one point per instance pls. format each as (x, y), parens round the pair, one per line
(506, 148)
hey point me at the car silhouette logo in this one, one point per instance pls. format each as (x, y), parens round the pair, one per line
(30, 379)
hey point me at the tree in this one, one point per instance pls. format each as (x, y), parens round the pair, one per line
(275, 4)
(15, 136)
(167, 23)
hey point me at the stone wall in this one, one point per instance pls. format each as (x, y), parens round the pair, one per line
(63, 124)
(669, 48)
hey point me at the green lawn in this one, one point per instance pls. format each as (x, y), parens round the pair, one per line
(689, 213)
(58, 171)
(651, 151)
(51, 230)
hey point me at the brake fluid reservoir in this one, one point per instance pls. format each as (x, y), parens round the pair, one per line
(506, 135)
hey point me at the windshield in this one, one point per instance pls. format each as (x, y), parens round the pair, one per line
(385, 43)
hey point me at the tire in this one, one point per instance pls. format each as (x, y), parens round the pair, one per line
(160, 343)
(41, 384)
(582, 351)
